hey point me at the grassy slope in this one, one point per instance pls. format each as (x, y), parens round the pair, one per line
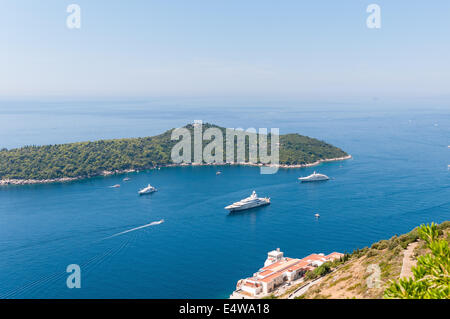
(350, 279)
(87, 159)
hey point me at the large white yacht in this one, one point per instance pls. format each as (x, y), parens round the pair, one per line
(147, 190)
(314, 177)
(249, 202)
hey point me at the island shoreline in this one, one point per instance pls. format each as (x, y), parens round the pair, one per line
(5, 182)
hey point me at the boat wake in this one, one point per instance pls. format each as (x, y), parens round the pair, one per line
(41, 284)
(136, 228)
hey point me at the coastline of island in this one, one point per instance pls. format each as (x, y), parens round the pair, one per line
(62, 163)
(5, 182)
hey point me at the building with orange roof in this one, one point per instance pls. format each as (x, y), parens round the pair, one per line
(279, 270)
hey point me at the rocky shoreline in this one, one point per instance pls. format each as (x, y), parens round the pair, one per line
(318, 162)
(5, 182)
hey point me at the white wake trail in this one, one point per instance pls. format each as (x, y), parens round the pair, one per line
(136, 228)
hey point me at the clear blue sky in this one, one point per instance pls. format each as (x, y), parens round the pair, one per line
(290, 48)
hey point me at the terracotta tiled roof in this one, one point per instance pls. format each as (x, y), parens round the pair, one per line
(314, 257)
(299, 265)
(265, 272)
(334, 255)
(272, 277)
(277, 269)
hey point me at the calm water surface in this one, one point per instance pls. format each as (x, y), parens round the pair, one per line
(397, 179)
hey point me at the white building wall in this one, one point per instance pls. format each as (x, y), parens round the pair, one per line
(251, 290)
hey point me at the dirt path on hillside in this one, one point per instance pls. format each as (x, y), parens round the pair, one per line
(304, 289)
(408, 261)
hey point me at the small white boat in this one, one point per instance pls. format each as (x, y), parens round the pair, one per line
(115, 186)
(126, 179)
(218, 172)
(317, 215)
(314, 177)
(147, 190)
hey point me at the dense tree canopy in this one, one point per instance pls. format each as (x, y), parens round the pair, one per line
(85, 159)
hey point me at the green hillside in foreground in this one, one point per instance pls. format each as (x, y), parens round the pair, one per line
(86, 159)
(427, 269)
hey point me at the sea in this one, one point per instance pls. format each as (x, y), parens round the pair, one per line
(398, 178)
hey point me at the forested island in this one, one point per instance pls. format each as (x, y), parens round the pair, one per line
(70, 161)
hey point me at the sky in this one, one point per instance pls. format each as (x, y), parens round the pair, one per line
(202, 48)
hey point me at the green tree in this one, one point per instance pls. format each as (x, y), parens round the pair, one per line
(431, 275)
(87, 159)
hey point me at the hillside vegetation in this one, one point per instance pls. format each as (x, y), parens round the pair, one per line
(357, 277)
(86, 159)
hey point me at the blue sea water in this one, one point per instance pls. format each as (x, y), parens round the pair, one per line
(397, 179)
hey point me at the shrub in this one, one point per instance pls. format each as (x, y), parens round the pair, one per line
(444, 225)
(393, 243)
(397, 250)
(323, 269)
(309, 275)
(404, 244)
(431, 275)
(372, 252)
(406, 239)
(383, 244)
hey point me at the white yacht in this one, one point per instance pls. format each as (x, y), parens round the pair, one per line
(126, 179)
(249, 202)
(147, 190)
(314, 177)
